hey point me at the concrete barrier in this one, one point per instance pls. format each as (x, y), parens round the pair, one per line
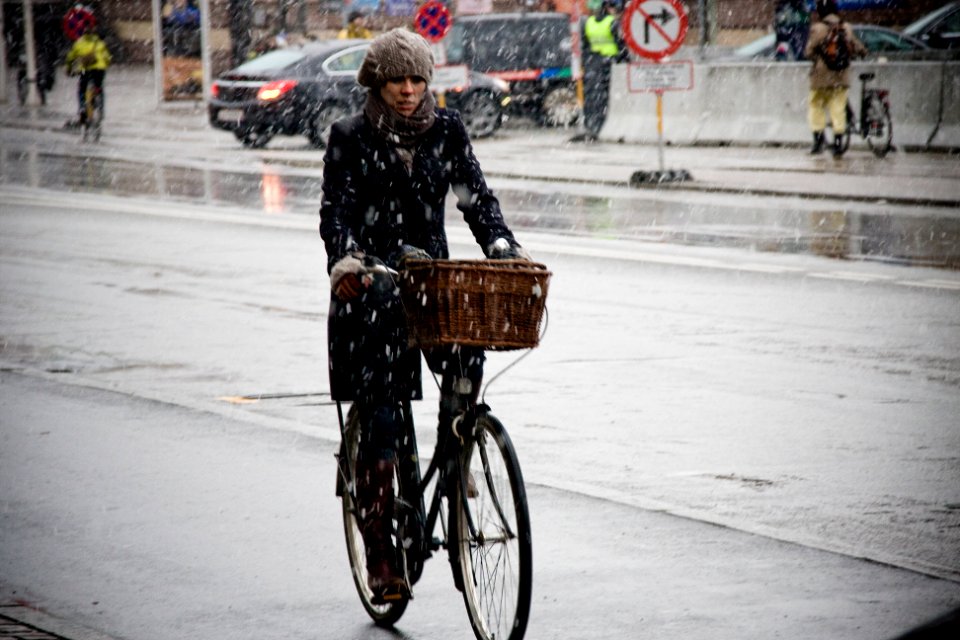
(947, 134)
(755, 103)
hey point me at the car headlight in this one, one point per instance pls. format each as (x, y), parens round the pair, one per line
(502, 85)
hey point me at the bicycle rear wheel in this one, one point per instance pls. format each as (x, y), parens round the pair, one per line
(492, 529)
(848, 134)
(878, 125)
(383, 615)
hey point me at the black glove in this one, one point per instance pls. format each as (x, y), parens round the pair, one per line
(409, 252)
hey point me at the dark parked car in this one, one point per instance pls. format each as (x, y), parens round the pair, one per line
(939, 29)
(879, 41)
(304, 90)
(531, 51)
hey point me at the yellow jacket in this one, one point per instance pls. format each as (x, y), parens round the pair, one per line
(88, 53)
(351, 31)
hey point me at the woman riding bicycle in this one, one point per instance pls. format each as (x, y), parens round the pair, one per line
(90, 58)
(386, 175)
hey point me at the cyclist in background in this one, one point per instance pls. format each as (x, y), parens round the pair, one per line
(90, 58)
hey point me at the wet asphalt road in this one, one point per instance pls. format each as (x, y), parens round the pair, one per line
(737, 417)
(727, 435)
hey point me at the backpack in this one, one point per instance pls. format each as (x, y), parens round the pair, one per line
(834, 50)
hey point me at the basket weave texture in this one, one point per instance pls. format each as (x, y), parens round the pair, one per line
(494, 304)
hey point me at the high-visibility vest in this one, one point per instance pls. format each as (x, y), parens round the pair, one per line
(600, 36)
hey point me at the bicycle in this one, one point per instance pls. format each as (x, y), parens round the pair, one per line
(93, 104)
(874, 124)
(478, 497)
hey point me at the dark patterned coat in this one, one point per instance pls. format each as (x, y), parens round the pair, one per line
(373, 204)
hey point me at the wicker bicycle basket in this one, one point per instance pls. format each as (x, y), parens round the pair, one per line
(494, 304)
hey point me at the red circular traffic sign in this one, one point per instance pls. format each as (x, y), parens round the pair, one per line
(655, 28)
(433, 21)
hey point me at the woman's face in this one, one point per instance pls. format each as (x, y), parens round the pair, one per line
(404, 94)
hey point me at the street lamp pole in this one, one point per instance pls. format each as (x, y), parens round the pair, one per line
(33, 95)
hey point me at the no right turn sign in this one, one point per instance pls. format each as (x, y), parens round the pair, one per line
(655, 28)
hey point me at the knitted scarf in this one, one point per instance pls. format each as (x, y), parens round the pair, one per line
(398, 129)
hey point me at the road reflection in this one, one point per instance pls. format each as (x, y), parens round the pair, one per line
(916, 239)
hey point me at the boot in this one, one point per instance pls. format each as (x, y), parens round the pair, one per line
(837, 146)
(818, 139)
(375, 503)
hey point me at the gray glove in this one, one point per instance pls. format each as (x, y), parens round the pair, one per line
(501, 249)
(346, 276)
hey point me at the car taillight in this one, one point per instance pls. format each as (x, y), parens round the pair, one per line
(214, 90)
(273, 90)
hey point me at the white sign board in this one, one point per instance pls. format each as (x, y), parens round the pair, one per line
(467, 7)
(450, 76)
(660, 76)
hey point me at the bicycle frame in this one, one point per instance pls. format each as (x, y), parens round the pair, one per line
(445, 460)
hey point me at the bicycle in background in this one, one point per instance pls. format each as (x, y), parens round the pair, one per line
(93, 104)
(874, 123)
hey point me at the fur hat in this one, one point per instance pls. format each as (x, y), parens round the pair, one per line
(395, 54)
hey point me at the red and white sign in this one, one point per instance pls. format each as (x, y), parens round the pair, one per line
(433, 21)
(655, 28)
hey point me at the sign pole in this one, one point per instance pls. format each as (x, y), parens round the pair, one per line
(576, 61)
(660, 127)
(655, 29)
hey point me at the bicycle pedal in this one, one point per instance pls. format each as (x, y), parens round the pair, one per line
(393, 593)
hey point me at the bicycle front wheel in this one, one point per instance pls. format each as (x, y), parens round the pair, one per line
(492, 528)
(878, 126)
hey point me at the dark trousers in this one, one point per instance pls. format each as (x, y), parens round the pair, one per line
(370, 355)
(596, 90)
(92, 77)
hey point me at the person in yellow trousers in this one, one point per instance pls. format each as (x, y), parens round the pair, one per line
(90, 58)
(831, 47)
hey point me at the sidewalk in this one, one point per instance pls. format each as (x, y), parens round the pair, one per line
(911, 179)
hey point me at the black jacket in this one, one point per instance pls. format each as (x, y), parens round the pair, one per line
(373, 204)
(370, 201)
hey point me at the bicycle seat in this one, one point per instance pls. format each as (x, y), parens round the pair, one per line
(868, 76)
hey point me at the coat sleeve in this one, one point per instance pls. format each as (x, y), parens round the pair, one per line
(481, 209)
(817, 33)
(339, 195)
(857, 48)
